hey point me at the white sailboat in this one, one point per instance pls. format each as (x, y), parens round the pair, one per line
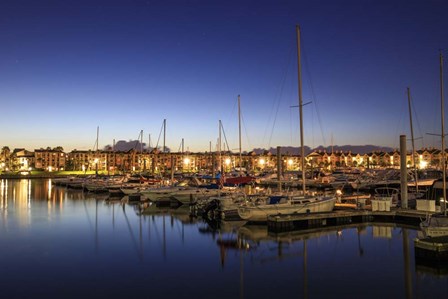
(436, 225)
(290, 203)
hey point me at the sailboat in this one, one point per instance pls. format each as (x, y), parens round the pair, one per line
(240, 179)
(437, 224)
(285, 203)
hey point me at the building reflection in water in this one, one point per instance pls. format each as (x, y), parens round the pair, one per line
(247, 238)
(23, 195)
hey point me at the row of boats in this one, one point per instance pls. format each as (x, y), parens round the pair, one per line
(252, 202)
(246, 202)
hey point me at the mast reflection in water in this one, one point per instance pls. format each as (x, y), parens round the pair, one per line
(59, 243)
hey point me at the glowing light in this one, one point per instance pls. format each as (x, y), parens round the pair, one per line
(186, 161)
(227, 161)
(262, 161)
(290, 162)
(423, 164)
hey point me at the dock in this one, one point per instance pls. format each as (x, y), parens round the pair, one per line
(433, 250)
(284, 223)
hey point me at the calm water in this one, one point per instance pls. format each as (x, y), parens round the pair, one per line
(58, 243)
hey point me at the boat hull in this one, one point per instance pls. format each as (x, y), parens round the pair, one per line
(260, 213)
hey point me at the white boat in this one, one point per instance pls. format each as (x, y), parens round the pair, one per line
(435, 225)
(385, 198)
(286, 204)
(290, 204)
(155, 194)
(192, 195)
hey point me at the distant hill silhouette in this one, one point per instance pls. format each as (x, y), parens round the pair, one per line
(123, 145)
(357, 149)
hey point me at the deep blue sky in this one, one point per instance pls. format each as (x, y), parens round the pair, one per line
(67, 67)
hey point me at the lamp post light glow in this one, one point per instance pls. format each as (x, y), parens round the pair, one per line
(187, 163)
(261, 162)
(227, 161)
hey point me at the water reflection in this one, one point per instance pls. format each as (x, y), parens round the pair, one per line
(264, 246)
(58, 236)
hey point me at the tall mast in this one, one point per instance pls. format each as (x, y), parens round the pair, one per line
(97, 134)
(219, 147)
(141, 142)
(239, 127)
(442, 109)
(299, 77)
(164, 134)
(412, 140)
(141, 150)
(115, 155)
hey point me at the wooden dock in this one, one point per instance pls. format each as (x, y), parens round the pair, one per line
(432, 249)
(282, 223)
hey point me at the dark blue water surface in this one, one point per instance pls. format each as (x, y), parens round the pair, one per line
(59, 243)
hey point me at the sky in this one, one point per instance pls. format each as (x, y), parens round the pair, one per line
(70, 67)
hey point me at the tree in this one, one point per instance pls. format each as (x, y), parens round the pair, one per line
(5, 155)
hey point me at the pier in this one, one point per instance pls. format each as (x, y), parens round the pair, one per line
(433, 250)
(283, 223)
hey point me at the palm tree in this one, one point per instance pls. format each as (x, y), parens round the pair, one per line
(5, 154)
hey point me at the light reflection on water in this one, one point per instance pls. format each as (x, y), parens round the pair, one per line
(66, 243)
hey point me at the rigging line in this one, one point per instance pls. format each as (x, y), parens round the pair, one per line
(312, 130)
(95, 144)
(418, 122)
(160, 134)
(277, 98)
(225, 137)
(249, 146)
(138, 140)
(400, 125)
(291, 128)
(313, 94)
(277, 109)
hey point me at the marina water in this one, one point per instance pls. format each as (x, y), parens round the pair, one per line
(61, 243)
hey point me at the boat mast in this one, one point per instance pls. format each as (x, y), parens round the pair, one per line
(299, 77)
(219, 148)
(412, 140)
(97, 134)
(442, 109)
(96, 153)
(239, 128)
(141, 150)
(164, 135)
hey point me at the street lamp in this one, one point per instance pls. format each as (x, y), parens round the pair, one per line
(227, 163)
(262, 162)
(290, 162)
(187, 164)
